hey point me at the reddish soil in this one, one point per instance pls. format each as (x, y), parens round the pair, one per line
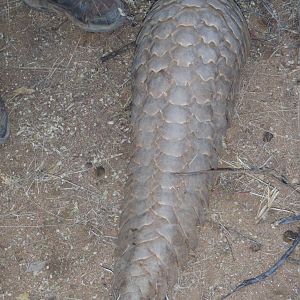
(63, 170)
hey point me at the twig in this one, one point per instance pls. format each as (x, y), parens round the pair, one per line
(270, 172)
(107, 269)
(222, 170)
(293, 261)
(72, 55)
(269, 272)
(288, 220)
(55, 28)
(46, 69)
(270, 9)
(71, 183)
(298, 104)
(119, 51)
(230, 248)
(252, 240)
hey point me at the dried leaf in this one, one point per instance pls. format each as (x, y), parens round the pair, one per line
(23, 91)
(24, 296)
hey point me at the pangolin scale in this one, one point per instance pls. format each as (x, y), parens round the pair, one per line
(185, 73)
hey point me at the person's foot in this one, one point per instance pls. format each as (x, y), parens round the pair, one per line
(90, 15)
(4, 129)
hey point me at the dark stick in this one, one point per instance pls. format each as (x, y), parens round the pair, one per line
(119, 51)
(269, 272)
(270, 172)
(288, 220)
(221, 170)
(253, 241)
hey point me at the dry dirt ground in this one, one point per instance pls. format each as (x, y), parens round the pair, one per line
(64, 168)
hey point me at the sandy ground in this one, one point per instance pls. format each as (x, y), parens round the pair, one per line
(64, 168)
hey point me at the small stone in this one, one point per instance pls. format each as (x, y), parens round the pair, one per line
(255, 247)
(268, 136)
(289, 236)
(88, 164)
(99, 171)
(36, 267)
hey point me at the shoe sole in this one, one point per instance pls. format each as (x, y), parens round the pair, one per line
(4, 139)
(44, 5)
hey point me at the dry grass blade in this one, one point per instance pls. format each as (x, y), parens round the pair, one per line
(298, 107)
(267, 202)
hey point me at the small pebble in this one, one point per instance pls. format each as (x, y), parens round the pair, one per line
(88, 164)
(289, 236)
(255, 247)
(99, 171)
(268, 136)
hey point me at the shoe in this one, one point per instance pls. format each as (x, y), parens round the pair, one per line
(4, 129)
(90, 15)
